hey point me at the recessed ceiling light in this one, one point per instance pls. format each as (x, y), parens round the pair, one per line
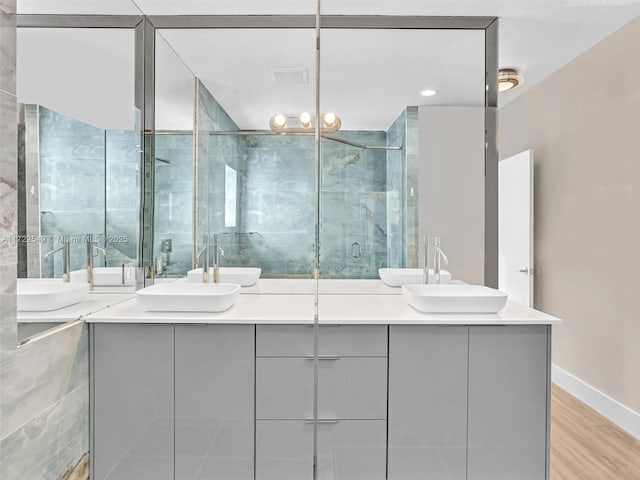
(508, 79)
(428, 92)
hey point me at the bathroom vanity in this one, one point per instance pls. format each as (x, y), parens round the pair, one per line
(402, 394)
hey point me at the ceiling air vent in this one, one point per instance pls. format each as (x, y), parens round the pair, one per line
(290, 75)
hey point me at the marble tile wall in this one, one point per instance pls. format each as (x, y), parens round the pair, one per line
(412, 241)
(43, 385)
(45, 406)
(8, 176)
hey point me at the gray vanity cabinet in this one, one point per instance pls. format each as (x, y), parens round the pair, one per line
(428, 368)
(352, 406)
(132, 402)
(508, 409)
(173, 402)
(214, 399)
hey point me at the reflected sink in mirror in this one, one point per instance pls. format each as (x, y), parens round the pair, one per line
(47, 294)
(107, 276)
(243, 276)
(188, 297)
(397, 277)
(454, 298)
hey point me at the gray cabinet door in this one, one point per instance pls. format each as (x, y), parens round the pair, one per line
(508, 392)
(347, 450)
(214, 397)
(133, 402)
(428, 368)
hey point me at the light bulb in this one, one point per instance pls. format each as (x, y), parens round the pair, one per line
(279, 120)
(428, 93)
(329, 119)
(305, 119)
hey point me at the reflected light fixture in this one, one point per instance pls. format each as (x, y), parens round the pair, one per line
(508, 79)
(280, 120)
(305, 119)
(304, 122)
(429, 92)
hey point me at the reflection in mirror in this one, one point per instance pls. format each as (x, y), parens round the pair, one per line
(415, 164)
(174, 163)
(78, 182)
(254, 190)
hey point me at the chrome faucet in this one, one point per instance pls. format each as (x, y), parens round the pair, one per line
(436, 260)
(66, 258)
(425, 261)
(90, 246)
(205, 265)
(216, 266)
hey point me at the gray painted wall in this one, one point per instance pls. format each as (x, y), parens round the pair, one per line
(451, 185)
(585, 134)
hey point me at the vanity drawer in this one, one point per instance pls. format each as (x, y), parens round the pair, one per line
(349, 388)
(340, 340)
(347, 449)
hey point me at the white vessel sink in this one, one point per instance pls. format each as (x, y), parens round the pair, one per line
(454, 298)
(106, 276)
(188, 297)
(397, 277)
(46, 294)
(243, 276)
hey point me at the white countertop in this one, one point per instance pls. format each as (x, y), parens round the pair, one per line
(269, 309)
(348, 302)
(394, 309)
(93, 303)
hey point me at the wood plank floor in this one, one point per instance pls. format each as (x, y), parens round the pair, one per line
(587, 446)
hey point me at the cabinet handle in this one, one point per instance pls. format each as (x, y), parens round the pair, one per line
(336, 325)
(323, 357)
(323, 421)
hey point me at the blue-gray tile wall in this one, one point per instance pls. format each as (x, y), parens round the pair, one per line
(89, 184)
(362, 197)
(278, 203)
(353, 206)
(396, 136)
(72, 184)
(122, 196)
(173, 213)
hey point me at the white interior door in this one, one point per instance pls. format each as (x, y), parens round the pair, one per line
(515, 210)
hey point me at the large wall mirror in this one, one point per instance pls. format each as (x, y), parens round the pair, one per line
(253, 189)
(233, 181)
(397, 162)
(79, 171)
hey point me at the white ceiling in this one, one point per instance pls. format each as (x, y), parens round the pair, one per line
(87, 74)
(368, 76)
(537, 36)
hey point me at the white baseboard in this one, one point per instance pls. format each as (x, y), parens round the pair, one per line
(606, 406)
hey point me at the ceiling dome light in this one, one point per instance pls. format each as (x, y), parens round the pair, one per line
(280, 120)
(428, 92)
(305, 119)
(329, 119)
(508, 79)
